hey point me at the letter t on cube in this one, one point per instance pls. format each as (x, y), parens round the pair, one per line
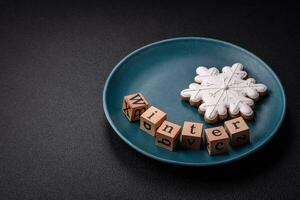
(191, 135)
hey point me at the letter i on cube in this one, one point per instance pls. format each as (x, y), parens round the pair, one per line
(152, 119)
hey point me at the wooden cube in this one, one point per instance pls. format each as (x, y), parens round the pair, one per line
(217, 140)
(167, 135)
(191, 135)
(238, 131)
(151, 119)
(134, 106)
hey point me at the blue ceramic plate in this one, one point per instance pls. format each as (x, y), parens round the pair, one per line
(162, 69)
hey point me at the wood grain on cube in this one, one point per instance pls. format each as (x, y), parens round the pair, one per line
(167, 135)
(134, 106)
(191, 135)
(238, 131)
(217, 140)
(151, 119)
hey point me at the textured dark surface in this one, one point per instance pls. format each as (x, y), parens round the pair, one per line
(55, 142)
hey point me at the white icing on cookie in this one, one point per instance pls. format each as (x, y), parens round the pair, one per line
(222, 91)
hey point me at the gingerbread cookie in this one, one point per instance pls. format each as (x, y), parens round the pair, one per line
(217, 93)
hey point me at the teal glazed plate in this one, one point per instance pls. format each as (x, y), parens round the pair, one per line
(162, 69)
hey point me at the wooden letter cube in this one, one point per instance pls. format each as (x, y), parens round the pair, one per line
(217, 140)
(191, 135)
(151, 119)
(238, 131)
(134, 106)
(167, 135)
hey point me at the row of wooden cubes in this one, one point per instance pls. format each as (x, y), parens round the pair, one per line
(167, 134)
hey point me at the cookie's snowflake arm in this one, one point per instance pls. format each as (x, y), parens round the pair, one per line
(208, 110)
(203, 73)
(186, 94)
(240, 107)
(211, 111)
(251, 92)
(192, 94)
(196, 98)
(222, 110)
(247, 101)
(259, 87)
(246, 110)
(252, 89)
(236, 70)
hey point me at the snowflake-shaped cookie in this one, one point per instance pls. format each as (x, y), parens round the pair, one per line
(216, 92)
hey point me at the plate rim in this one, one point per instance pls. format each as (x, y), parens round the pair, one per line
(258, 146)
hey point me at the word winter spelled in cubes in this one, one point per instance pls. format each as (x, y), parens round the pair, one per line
(134, 106)
(217, 140)
(167, 135)
(238, 131)
(152, 119)
(191, 135)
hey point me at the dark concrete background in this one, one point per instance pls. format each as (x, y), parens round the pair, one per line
(55, 142)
